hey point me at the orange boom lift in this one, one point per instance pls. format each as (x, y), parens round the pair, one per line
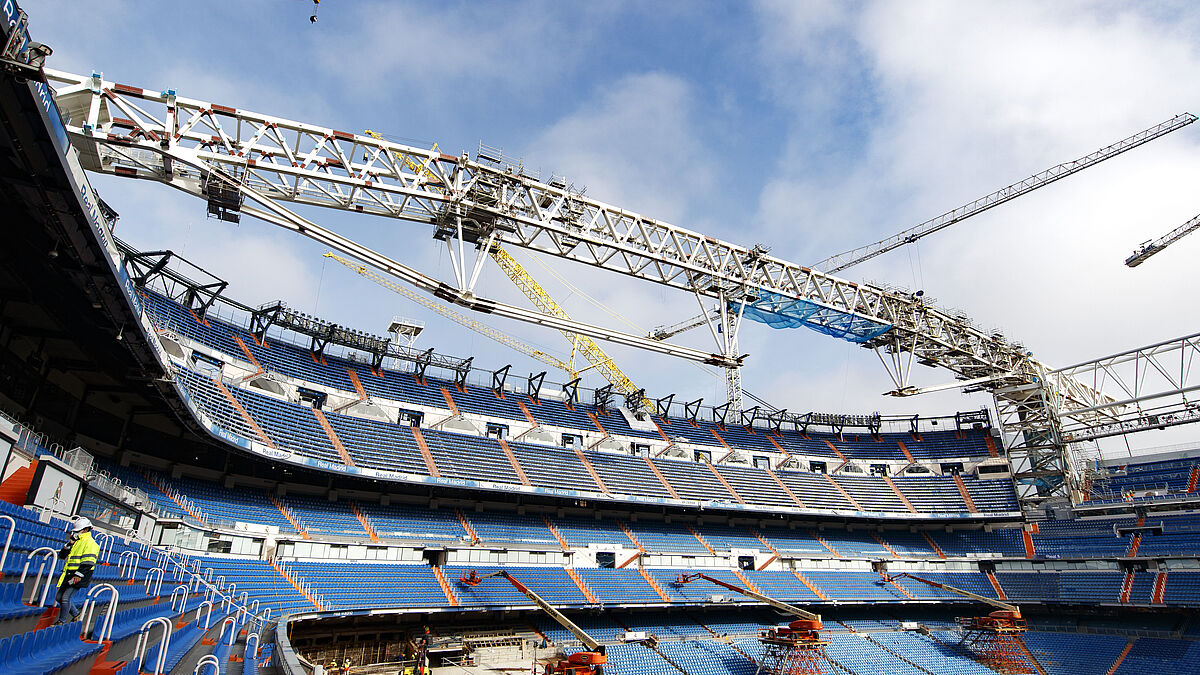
(995, 639)
(590, 662)
(795, 649)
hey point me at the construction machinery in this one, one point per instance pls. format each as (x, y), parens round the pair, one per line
(580, 663)
(847, 259)
(794, 649)
(581, 344)
(1149, 248)
(993, 639)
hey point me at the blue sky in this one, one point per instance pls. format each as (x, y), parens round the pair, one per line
(810, 127)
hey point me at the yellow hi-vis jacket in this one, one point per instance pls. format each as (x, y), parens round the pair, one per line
(82, 558)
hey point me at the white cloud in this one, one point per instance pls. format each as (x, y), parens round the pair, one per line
(971, 97)
(474, 52)
(634, 143)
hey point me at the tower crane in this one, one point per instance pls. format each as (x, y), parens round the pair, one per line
(589, 662)
(847, 259)
(795, 649)
(581, 344)
(994, 638)
(1149, 248)
(460, 319)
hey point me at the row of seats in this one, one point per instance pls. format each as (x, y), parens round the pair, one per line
(379, 445)
(236, 342)
(44, 651)
(370, 584)
(903, 653)
(1093, 538)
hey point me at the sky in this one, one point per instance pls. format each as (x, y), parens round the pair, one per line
(809, 127)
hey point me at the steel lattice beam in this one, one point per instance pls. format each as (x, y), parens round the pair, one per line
(1155, 386)
(158, 135)
(136, 132)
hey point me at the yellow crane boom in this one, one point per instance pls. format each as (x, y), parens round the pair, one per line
(582, 344)
(461, 319)
(408, 162)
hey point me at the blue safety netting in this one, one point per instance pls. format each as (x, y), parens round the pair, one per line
(778, 311)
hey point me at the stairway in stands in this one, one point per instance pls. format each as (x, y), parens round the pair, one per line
(14, 488)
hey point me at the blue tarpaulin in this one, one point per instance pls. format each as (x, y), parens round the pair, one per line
(778, 311)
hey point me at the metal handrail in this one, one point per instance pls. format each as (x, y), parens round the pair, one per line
(263, 620)
(143, 642)
(150, 578)
(128, 561)
(105, 546)
(233, 626)
(251, 647)
(12, 528)
(207, 660)
(110, 613)
(180, 591)
(48, 555)
(208, 616)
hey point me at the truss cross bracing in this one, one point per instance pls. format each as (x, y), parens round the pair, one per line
(159, 135)
(790, 659)
(1004, 653)
(1155, 386)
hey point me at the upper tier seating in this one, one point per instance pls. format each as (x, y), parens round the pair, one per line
(374, 444)
(1168, 476)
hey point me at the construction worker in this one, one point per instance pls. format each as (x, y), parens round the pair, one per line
(80, 554)
(332, 668)
(346, 666)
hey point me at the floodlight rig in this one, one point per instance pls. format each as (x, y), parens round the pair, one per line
(590, 662)
(794, 649)
(994, 639)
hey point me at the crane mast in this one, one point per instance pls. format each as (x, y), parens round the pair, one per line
(795, 649)
(1151, 247)
(847, 259)
(994, 639)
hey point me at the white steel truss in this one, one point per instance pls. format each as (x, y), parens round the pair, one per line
(135, 132)
(186, 143)
(1156, 386)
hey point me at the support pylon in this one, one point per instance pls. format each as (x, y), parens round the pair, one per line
(1002, 652)
(791, 659)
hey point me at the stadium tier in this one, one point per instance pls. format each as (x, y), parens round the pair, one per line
(287, 402)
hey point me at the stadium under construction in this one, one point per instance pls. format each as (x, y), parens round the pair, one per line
(270, 491)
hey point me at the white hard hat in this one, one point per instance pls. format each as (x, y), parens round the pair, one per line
(81, 524)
